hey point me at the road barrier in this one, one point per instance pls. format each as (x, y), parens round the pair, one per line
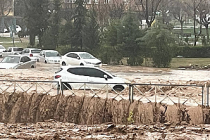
(178, 94)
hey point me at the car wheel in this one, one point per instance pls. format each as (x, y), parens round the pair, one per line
(63, 64)
(81, 64)
(37, 60)
(66, 86)
(118, 88)
(45, 62)
(32, 66)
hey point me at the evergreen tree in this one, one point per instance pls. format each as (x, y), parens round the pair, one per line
(78, 23)
(161, 40)
(51, 35)
(91, 32)
(130, 34)
(36, 17)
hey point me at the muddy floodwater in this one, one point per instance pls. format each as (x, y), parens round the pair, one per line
(37, 116)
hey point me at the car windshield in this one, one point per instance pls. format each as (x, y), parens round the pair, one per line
(2, 47)
(11, 59)
(52, 54)
(86, 56)
(35, 51)
(18, 49)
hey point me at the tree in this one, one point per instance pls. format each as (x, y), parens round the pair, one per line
(51, 35)
(204, 16)
(91, 32)
(5, 7)
(130, 34)
(147, 10)
(79, 20)
(160, 39)
(36, 17)
(121, 37)
(179, 11)
(5, 10)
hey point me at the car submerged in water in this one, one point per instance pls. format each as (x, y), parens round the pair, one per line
(17, 62)
(50, 56)
(80, 59)
(74, 77)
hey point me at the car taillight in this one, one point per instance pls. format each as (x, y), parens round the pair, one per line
(31, 55)
(57, 76)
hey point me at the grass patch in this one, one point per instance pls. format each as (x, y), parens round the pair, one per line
(18, 42)
(176, 62)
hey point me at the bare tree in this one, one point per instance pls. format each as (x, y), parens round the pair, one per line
(203, 17)
(5, 7)
(194, 5)
(179, 11)
(147, 9)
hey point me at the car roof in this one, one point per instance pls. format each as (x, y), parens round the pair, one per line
(50, 50)
(78, 52)
(67, 67)
(33, 48)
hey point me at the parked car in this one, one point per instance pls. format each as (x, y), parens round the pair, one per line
(17, 29)
(17, 62)
(33, 53)
(11, 51)
(80, 58)
(1, 50)
(50, 56)
(94, 75)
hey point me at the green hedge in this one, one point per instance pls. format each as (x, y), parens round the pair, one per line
(193, 52)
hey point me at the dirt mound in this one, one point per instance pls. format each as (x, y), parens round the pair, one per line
(25, 108)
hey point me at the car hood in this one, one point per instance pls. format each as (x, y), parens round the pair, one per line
(7, 65)
(53, 58)
(92, 61)
(1, 50)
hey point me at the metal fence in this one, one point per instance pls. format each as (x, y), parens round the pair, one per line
(159, 93)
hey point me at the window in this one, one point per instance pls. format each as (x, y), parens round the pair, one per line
(27, 59)
(26, 51)
(10, 50)
(72, 55)
(35, 51)
(17, 49)
(91, 72)
(76, 71)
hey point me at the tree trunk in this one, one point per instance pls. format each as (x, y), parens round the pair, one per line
(32, 39)
(207, 33)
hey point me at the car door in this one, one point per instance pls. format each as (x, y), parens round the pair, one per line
(24, 63)
(73, 59)
(21, 63)
(96, 78)
(77, 76)
(42, 56)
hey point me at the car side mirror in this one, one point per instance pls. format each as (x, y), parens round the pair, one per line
(105, 77)
(78, 58)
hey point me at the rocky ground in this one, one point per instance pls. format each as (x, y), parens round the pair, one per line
(51, 129)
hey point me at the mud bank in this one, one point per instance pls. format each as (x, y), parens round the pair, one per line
(25, 108)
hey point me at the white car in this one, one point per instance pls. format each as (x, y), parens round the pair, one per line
(12, 51)
(1, 50)
(80, 59)
(16, 30)
(17, 62)
(33, 53)
(69, 75)
(50, 56)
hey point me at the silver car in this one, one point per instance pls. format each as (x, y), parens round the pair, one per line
(50, 56)
(17, 62)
